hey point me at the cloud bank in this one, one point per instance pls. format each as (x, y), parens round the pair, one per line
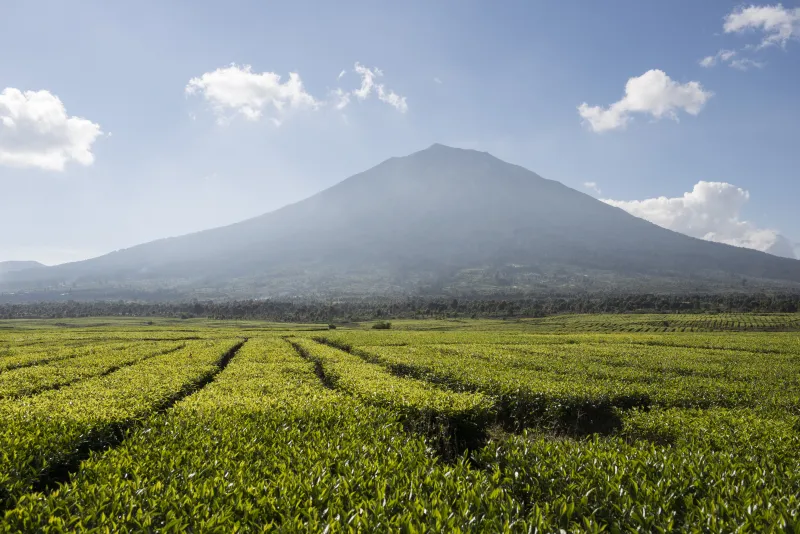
(653, 93)
(711, 211)
(37, 132)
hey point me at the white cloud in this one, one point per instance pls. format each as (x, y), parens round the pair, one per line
(777, 24)
(340, 98)
(592, 186)
(731, 58)
(653, 93)
(393, 99)
(341, 75)
(369, 85)
(710, 211)
(746, 64)
(35, 131)
(236, 89)
(367, 80)
(437, 80)
(723, 56)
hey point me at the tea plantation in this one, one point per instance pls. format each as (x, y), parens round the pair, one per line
(564, 424)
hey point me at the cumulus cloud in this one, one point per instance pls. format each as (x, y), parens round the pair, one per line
(653, 93)
(776, 23)
(35, 131)
(711, 211)
(592, 186)
(237, 89)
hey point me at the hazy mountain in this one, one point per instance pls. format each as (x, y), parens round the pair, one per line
(13, 266)
(782, 247)
(439, 220)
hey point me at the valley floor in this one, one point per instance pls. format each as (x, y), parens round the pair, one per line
(585, 423)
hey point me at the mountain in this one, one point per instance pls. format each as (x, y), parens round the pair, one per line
(782, 247)
(442, 220)
(13, 266)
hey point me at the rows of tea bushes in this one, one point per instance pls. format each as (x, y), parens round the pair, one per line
(267, 446)
(584, 384)
(779, 342)
(454, 417)
(29, 358)
(13, 345)
(580, 433)
(98, 361)
(42, 433)
(722, 471)
(644, 323)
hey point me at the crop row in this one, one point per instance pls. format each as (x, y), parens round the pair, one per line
(54, 354)
(581, 387)
(667, 322)
(13, 346)
(266, 446)
(454, 419)
(103, 360)
(780, 342)
(724, 471)
(42, 433)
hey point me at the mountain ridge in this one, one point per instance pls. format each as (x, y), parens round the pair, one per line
(18, 265)
(429, 218)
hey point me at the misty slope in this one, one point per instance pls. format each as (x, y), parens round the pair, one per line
(784, 248)
(429, 215)
(14, 266)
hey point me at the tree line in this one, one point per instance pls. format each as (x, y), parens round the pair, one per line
(333, 311)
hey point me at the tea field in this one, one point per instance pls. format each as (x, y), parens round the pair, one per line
(604, 423)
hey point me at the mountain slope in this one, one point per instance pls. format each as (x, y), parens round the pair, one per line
(782, 247)
(432, 217)
(13, 266)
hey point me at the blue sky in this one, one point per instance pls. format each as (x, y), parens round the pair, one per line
(506, 78)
